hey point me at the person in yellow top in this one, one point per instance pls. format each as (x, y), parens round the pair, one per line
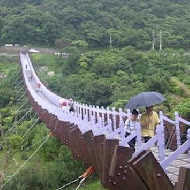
(149, 121)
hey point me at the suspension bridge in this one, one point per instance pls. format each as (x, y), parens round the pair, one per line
(96, 136)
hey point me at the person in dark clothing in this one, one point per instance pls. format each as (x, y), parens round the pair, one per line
(71, 105)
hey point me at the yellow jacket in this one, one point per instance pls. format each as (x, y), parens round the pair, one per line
(152, 121)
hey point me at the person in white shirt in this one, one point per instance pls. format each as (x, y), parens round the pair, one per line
(130, 127)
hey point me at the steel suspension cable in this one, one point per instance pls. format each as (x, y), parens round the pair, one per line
(20, 90)
(22, 105)
(11, 129)
(20, 119)
(68, 184)
(47, 137)
(15, 81)
(24, 110)
(31, 127)
(35, 143)
(22, 96)
(81, 178)
(18, 83)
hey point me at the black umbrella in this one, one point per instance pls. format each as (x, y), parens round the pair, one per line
(145, 99)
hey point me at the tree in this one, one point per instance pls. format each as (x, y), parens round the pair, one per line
(62, 43)
(98, 92)
(15, 141)
(95, 34)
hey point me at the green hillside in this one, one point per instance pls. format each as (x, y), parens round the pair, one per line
(110, 59)
(87, 22)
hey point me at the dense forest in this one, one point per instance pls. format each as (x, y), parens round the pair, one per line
(111, 58)
(91, 23)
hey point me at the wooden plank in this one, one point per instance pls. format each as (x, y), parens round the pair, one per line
(35, 106)
(87, 137)
(108, 151)
(183, 179)
(45, 117)
(83, 149)
(53, 122)
(152, 173)
(49, 120)
(98, 142)
(175, 186)
(119, 159)
(77, 145)
(58, 129)
(123, 175)
(73, 141)
(43, 114)
(61, 125)
(65, 132)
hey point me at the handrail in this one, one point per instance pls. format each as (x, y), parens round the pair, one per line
(150, 143)
(183, 121)
(176, 129)
(168, 120)
(184, 147)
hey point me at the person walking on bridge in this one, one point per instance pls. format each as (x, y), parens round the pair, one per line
(71, 105)
(63, 104)
(130, 127)
(149, 121)
(38, 87)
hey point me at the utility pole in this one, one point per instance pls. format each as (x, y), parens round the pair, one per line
(160, 40)
(110, 41)
(153, 40)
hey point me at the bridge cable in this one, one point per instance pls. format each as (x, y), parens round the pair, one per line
(20, 90)
(35, 143)
(47, 137)
(31, 127)
(24, 110)
(20, 119)
(22, 96)
(22, 105)
(81, 178)
(2, 142)
(18, 83)
(17, 79)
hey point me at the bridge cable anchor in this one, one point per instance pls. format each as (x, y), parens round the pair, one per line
(81, 178)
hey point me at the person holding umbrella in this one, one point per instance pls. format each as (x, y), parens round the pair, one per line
(149, 121)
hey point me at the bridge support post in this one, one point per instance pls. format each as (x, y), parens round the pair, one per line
(162, 126)
(183, 179)
(160, 142)
(177, 130)
(139, 138)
